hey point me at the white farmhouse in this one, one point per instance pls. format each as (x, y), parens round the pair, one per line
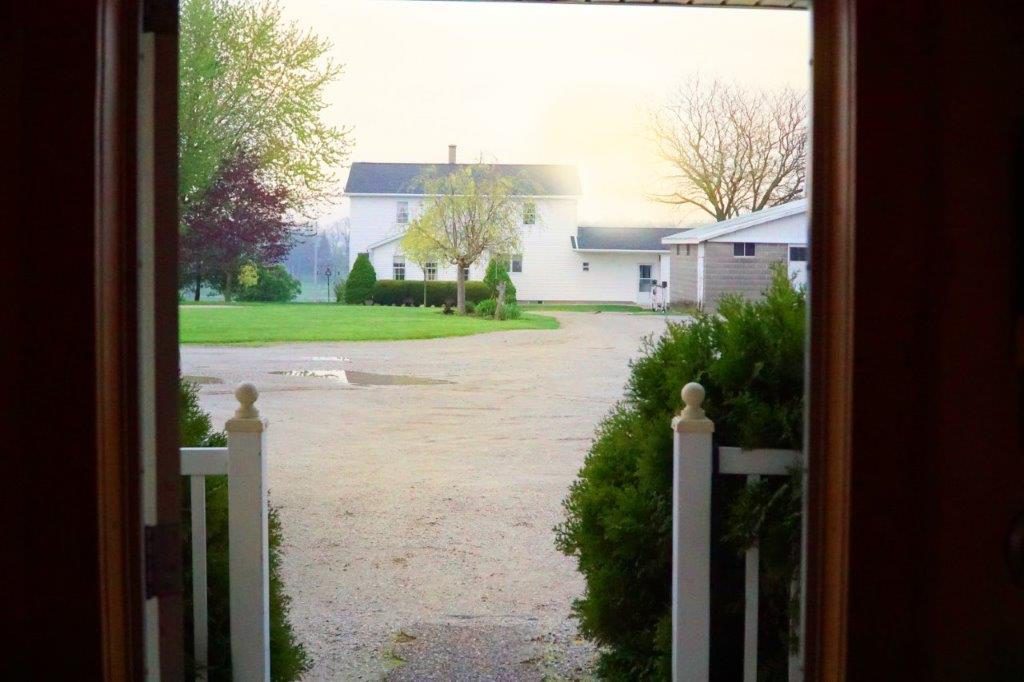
(560, 260)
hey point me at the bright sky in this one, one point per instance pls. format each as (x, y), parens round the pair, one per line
(540, 83)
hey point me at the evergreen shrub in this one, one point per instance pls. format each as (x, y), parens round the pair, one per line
(361, 280)
(618, 513)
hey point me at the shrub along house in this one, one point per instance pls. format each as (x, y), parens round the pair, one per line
(735, 256)
(560, 260)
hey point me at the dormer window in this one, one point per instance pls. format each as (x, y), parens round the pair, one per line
(402, 213)
(529, 213)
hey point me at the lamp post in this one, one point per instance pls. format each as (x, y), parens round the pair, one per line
(327, 274)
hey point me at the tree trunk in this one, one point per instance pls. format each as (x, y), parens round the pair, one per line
(199, 286)
(460, 289)
(424, 287)
(499, 308)
(227, 288)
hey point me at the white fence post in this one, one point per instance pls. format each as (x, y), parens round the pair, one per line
(691, 539)
(248, 554)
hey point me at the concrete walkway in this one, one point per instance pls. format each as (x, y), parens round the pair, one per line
(418, 518)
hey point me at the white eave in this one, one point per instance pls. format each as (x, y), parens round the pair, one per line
(386, 240)
(621, 250)
(725, 227)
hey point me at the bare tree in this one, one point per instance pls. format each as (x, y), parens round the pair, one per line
(732, 150)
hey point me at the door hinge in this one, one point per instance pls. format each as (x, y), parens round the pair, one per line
(160, 16)
(162, 553)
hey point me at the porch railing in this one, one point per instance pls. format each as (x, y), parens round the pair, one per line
(693, 469)
(244, 462)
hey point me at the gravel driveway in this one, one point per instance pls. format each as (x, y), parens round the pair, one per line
(418, 517)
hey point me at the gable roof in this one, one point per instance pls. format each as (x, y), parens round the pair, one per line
(591, 238)
(406, 178)
(720, 229)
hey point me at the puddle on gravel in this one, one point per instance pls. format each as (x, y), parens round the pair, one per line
(195, 379)
(347, 376)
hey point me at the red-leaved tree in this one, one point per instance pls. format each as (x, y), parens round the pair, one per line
(240, 219)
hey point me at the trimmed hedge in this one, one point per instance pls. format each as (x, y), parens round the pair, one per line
(410, 292)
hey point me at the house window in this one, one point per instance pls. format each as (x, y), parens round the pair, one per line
(402, 213)
(744, 249)
(515, 264)
(586, 266)
(398, 267)
(798, 254)
(430, 269)
(529, 213)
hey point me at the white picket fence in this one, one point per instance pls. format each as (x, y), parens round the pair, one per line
(693, 471)
(244, 462)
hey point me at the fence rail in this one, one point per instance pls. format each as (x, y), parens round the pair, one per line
(694, 467)
(243, 461)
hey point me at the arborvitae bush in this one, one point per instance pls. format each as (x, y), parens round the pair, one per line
(288, 658)
(497, 272)
(339, 291)
(359, 286)
(618, 514)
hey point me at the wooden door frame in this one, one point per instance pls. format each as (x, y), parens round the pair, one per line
(848, 36)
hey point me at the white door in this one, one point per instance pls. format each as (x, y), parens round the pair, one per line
(646, 281)
(798, 265)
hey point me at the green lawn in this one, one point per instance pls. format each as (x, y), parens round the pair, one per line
(256, 323)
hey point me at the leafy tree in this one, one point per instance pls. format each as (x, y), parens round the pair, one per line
(272, 284)
(618, 514)
(421, 249)
(497, 272)
(251, 82)
(467, 212)
(359, 285)
(732, 150)
(240, 219)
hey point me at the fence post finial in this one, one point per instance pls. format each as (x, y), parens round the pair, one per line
(692, 417)
(246, 394)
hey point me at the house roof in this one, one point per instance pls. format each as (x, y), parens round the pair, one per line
(725, 227)
(407, 178)
(591, 238)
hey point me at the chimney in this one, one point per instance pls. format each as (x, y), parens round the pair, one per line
(451, 153)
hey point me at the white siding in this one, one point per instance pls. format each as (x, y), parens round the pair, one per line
(372, 219)
(789, 230)
(552, 270)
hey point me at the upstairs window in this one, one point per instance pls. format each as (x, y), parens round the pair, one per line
(743, 249)
(529, 213)
(515, 264)
(798, 254)
(398, 267)
(402, 213)
(430, 269)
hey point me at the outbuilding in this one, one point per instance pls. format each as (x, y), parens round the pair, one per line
(735, 256)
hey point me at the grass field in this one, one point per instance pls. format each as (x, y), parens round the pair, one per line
(258, 323)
